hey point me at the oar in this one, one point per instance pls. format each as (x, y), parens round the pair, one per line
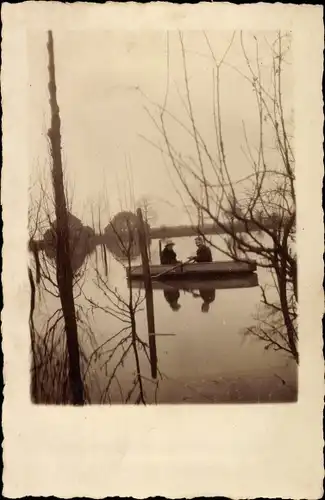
(173, 268)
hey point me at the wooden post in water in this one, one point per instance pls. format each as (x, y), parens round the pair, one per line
(148, 247)
(149, 293)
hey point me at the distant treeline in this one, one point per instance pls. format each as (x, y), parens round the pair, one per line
(84, 239)
(163, 232)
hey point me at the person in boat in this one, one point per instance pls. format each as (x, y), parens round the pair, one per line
(168, 255)
(203, 252)
(172, 297)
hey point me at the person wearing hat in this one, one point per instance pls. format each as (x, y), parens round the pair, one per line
(203, 252)
(168, 255)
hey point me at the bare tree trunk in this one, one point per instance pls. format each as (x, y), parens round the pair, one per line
(64, 269)
(34, 384)
(282, 284)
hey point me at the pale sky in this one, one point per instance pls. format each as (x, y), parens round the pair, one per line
(103, 78)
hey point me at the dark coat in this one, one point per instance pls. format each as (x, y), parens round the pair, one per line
(168, 256)
(203, 254)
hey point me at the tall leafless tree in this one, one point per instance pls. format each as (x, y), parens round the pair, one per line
(263, 203)
(64, 273)
(147, 206)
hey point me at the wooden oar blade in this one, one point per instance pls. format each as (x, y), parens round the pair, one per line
(172, 269)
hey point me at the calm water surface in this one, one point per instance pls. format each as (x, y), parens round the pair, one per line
(202, 357)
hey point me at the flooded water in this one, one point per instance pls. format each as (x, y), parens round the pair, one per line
(205, 353)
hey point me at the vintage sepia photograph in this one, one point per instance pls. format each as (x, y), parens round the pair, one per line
(161, 208)
(162, 217)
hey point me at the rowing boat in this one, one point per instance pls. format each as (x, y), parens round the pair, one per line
(194, 270)
(249, 281)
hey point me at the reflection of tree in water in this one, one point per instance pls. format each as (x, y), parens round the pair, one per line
(50, 366)
(99, 361)
(123, 347)
(270, 326)
(117, 249)
(50, 363)
(102, 363)
(111, 358)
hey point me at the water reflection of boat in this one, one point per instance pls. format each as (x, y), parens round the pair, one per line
(249, 281)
